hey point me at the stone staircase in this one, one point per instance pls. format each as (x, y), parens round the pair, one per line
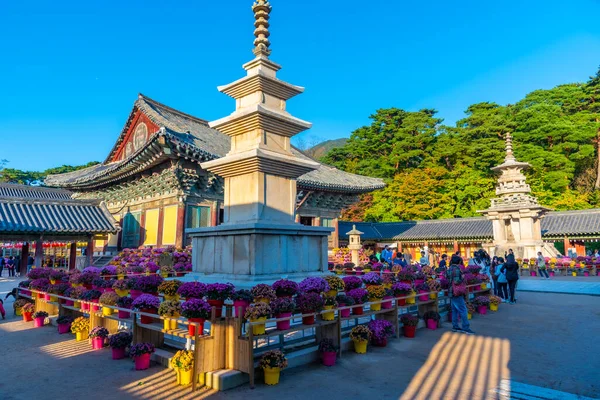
(101, 261)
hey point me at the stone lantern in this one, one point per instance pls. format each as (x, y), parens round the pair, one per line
(354, 243)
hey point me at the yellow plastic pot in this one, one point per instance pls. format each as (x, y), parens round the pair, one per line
(164, 274)
(469, 315)
(260, 328)
(331, 293)
(433, 296)
(122, 292)
(328, 316)
(493, 307)
(53, 281)
(483, 286)
(53, 298)
(184, 378)
(19, 312)
(174, 297)
(147, 273)
(387, 285)
(375, 307)
(174, 324)
(107, 311)
(77, 304)
(262, 300)
(410, 300)
(81, 336)
(167, 324)
(120, 277)
(574, 273)
(272, 375)
(366, 270)
(339, 272)
(360, 346)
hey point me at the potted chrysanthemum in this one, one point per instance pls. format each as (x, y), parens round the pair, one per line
(313, 284)
(360, 336)
(283, 307)
(482, 303)
(360, 296)
(285, 288)
(169, 289)
(80, 327)
(241, 300)
(272, 362)
(217, 293)
(328, 352)
(183, 364)
(336, 285)
(192, 290)
(39, 317)
(169, 309)
(119, 343)
(126, 303)
(380, 329)
(329, 303)
(309, 303)
(257, 313)
(98, 335)
(122, 287)
(64, 324)
(263, 293)
(409, 325)
(141, 353)
(28, 310)
(196, 311)
(148, 304)
(376, 293)
(108, 299)
(431, 319)
(495, 302)
(352, 282)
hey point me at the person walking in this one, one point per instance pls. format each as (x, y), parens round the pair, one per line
(407, 257)
(2, 264)
(494, 274)
(501, 282)
(541, 265)
(386, 255)
(457, 299)
(399, 260)
(30, 262)
(10, 264)
(511, 270)
(443, 264)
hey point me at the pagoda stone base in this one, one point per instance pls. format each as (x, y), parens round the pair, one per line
(524, 250)
(248, 254)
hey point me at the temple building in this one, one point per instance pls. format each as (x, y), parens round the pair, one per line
(154, 187)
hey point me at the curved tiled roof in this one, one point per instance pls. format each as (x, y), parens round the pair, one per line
(194, 138)
(32, 192)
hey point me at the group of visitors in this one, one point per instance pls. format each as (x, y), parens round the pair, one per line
(502, 271)
(11, 264)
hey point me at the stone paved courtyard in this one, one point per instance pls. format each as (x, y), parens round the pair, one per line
(542, 341)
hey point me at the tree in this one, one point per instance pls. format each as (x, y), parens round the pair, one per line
(10, 175)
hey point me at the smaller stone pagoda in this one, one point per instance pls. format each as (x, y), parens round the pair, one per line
(516, 215)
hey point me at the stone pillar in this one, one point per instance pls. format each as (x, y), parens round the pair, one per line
(39, 252)
(73, 256)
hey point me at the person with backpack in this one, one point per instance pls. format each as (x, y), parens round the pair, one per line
(511, 271)
(457, 292)
(501, 282)
(541, 265)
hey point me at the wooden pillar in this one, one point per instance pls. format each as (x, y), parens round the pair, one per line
(214, 214)
(180, 235)
(39, 252)
(455, 246)
(89, 252)
(336, 233)
(24, 257)
(73, 256)
(567, 244)
(159, 230)
(142, 227)
(297, 218)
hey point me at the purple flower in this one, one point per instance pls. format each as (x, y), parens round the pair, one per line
(189, 290)
(372, 278)
(263, 291)
(139, 349)
(313, 284)
(90, 295)
(37, 273)
(58, 274)
(352, 282)
(285, 287)
(92, 270)
(381, 328)
(196, 308)
(359, 295)
(120, 340)
(400, 289)
(219, 291)
(146, 301)
(283, 305)
(148, 284)
(109, 270)
(309, 302)
(40, 284)
(124, 302)
(99, 331)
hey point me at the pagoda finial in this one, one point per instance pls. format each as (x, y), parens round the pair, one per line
(261, 9)
(509, 148)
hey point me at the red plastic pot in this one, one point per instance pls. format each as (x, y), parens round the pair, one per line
(329, 358)
(423, 297)
(97, 343)
(380, 342)
(410, 283)
(310, 320)
(85, 306)
(27, 317)
(41, 296)
(432, 324)
(69, 303)
(64, 328)
(482, 310)
(38, 322)
(585, 273)
(145, 319)
(243, 304)
(345, 313)
(135, 293)
(88, 286)
(409, 331)
(192, 328)
(283, 325)
(386, 305)
(218, 304)
(358, 310)
(179, 274)
(118, 354)
(478, 287)
(123, 314)
(142, 362)
(401, 302)
(95, 307)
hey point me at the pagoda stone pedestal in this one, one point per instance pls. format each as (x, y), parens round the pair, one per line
(259, 240)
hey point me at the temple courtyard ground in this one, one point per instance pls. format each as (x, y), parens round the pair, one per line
(544, 347)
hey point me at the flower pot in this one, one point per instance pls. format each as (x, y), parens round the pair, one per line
(478, 287)
(19, 312)
(482, 310)
(107, 311)
(85, 306)
(97, 343)
(53, 281)
(533, 273)
(145, 319)
(432, 324)
(380, 342)
(411, 300)
(47, 296)
(409, 331)
(469, 315)
(493, 307)
(272, 375)
(63, 328)
(53, 298)
(135, 293)
(122, 292)
(123, 314)
(95, 307)
(120, 277)
(283, 325)
(69, 303)
(81, 336)
(88, 286)
(184, 378)
(309, 320)
(483, 286)
(331, 293)
(345, 313)
(328, 316)
(423, 296)
(243, 304)
(38, 322)
(27, 317)
(142, 362)
(401, 302)
(192, 328)
(174, 297)
(375, 307)
(118, 354)
(574, 273)
(329, 358)
(76, 304)
(360, 346)
(585, 273)
(164, 274)
(356, 273)
(338, 272)
(262, 300)
(419, 282)
(551, 273)
(218, 304)
(179, 274)
(358, 310)
(166, 324)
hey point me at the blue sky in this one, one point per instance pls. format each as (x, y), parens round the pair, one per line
(72, 70)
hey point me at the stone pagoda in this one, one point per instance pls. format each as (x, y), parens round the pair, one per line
(516, 215)
(259, 240)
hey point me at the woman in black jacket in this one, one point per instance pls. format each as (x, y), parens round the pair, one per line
(511, 270)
